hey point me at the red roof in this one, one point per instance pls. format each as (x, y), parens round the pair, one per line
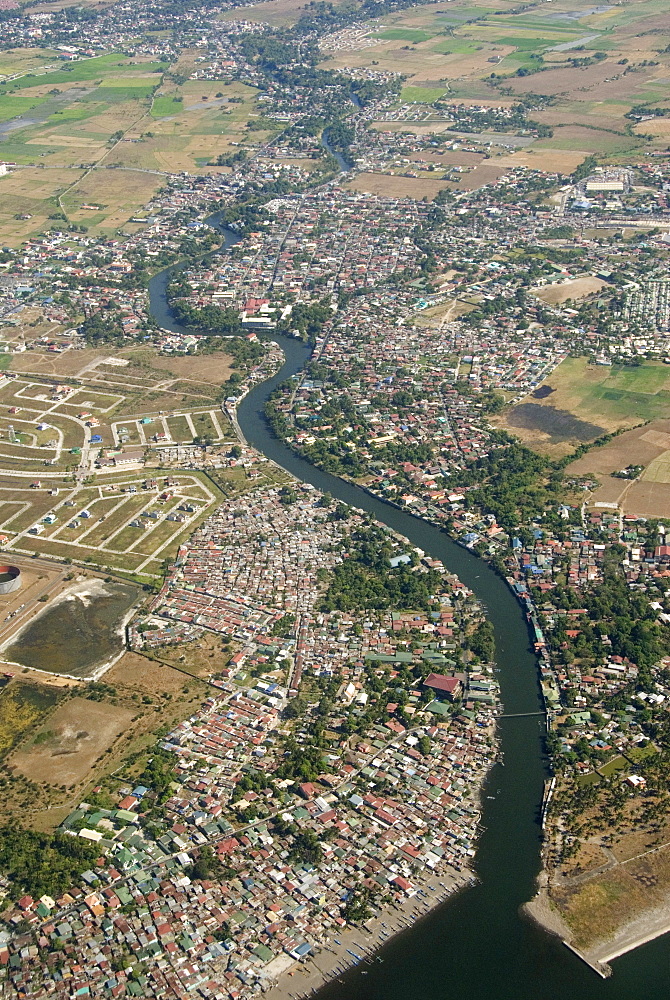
(441, 683)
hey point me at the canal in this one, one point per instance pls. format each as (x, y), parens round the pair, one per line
(476, 945)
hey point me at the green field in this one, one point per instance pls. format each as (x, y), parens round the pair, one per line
(610, 397)
(166, 106)
(422, 95)
(87, 69)
(406, 34)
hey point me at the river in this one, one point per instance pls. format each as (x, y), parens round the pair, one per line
(477, 945)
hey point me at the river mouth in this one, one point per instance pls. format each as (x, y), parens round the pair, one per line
(80, 634)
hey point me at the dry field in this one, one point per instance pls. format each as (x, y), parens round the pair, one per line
(210, 369)
(483, 173)
(392, 186)
(577, 288)
(560, 160)
(649, 446)
(275, 12)
(137, 673)
(412, 128)
(450, 157)
(199, 658)
(574, 83)
(72, 740)
(597, 908)
(640, 446)
(120, 194)
(69, 363)
(30, 191)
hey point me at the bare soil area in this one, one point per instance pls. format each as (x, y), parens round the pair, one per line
(392, 186)
(578, 288)
(210, 368)
(67, 746)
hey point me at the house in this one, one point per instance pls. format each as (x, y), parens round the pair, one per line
(449, 686)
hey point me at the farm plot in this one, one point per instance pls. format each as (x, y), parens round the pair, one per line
(605, 398)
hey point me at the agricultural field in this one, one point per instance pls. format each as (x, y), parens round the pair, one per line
(97, 124)
(647, 446)
(589, 400)
(460, 51)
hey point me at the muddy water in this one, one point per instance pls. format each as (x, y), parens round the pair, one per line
(79, 633)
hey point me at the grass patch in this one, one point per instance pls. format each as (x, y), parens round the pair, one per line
(204, 426)
(422, 95)
(12, 106)
(163, 106)
(179, 429)
(614, 765)
(22, 707)
(405, 34)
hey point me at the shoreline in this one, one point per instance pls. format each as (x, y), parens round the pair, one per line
(640, 930)
(358, 944)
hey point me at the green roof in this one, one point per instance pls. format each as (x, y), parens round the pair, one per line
(263, 952)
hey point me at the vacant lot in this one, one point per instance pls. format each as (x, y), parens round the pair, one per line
(68, 745)
(136, 673)
(393, 186)
(211, 369)
(575, 289)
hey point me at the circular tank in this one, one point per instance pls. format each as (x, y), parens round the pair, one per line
(10, 579)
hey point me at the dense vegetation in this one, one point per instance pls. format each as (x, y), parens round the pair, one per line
(366, 580)
(43, 863)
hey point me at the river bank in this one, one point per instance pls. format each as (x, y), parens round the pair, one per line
(646, 927)
(359, 946)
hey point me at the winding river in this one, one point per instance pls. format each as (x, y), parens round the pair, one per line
(477, 945)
